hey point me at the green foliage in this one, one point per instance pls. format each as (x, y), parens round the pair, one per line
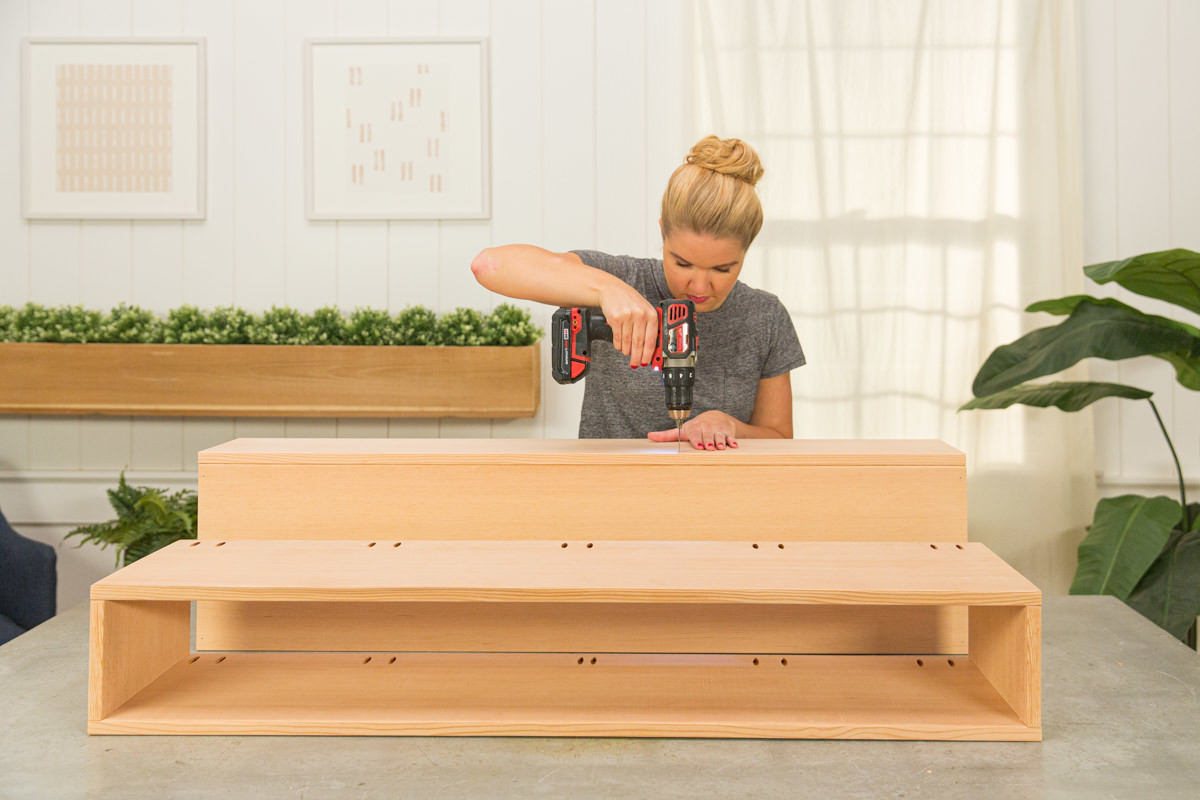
(462, 326)
(1144, 550)
(125, 324)
(147, 520)
(370, 326)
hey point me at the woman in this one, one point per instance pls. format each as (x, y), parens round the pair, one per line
(747, 343)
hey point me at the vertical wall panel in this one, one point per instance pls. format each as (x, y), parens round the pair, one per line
(259, 160)
(1184, 132)
(1100, 201)
(622, 216)
(14, 234)
(311, 247)
(669, 126)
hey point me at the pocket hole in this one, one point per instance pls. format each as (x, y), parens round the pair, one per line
(193, 659)
(372, 544)
(367, 660)
(950, 661)
(219, 660)
(193, 544)
(920, 663)
(960, 547)
(933, 546)
(392, 660)
(220, 544)
(397, 544)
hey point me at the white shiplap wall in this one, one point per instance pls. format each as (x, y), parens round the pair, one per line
(1141, 180)
(589, 111)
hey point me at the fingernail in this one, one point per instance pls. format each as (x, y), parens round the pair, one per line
(633, 366)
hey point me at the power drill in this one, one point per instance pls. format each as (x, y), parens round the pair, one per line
(574, 329)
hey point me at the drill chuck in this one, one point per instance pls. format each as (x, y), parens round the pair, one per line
(678, 382)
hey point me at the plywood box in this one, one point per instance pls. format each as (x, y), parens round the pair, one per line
(144, 679)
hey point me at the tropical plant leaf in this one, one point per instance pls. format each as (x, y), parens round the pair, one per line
(1126, 535)
(1169, 593)
(1065, 305)
(1063, 395)
(1093, 330)
(1171, 275)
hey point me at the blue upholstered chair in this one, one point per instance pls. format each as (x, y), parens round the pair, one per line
(28, 580)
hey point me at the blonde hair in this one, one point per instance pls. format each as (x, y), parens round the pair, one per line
(713, 192)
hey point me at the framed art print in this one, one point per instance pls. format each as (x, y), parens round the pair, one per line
(396, 129)
(113, 128)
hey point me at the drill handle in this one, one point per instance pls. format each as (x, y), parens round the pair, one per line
(572, 332)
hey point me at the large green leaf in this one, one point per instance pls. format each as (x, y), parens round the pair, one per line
(1064, 395)
(1126, 535)
(1171, 275)
(1093, 330)
(1169, 592)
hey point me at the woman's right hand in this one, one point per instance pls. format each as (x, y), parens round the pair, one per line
(633, 320)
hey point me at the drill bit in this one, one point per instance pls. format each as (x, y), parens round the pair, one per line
(679, 435)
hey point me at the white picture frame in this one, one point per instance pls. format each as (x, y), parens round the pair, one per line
(113, 128)
(397, 129)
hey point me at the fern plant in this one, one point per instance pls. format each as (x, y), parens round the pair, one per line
(147, 520)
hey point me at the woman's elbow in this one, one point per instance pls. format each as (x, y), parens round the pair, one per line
(484, 266)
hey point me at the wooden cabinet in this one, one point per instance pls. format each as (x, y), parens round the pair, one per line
(818, 589)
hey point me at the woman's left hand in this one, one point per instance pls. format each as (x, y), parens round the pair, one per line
(712, 430)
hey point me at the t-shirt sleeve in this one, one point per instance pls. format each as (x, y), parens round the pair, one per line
(621, 266)
(785, 353)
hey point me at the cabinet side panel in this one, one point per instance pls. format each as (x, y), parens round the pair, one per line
(131, 643)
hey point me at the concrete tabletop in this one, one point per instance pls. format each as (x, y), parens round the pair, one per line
(1121, 711)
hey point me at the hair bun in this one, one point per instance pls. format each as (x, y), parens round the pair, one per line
(728, 157)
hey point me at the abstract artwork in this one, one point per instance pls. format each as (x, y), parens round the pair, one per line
(397, 129)
(113, 129)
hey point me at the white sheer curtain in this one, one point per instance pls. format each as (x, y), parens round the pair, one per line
(921, 188)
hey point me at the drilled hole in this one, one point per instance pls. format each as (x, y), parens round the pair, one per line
(589, 544)
(367, 660)
(593, 659)
(581, 659)
(756, 662)
(920, 663)
(193, 544)
(392, 660)
(780, 547)
(564, 544)
(950, 661)
(372, 544)
(397, 544)
(219, 660)
(933, 546)
(220, 544)
(783, 661)
(193, 659)
(960, 547)
(754, 546)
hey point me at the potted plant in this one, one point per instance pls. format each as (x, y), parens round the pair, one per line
(229, 362)
(1144, 550)
(147, 520)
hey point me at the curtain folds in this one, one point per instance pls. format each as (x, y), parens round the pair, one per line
(922, 187)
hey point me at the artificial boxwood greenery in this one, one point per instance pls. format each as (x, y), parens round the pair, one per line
(415, 325)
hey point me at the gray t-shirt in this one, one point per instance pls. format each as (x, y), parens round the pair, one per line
(750, 337)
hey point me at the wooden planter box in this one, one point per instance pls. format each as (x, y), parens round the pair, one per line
(269, 381)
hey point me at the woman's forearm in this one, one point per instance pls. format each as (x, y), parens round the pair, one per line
(526, 272)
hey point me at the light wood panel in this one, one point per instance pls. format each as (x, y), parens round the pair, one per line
(253, 380)
(131, 644)
(600, 489)
(597, 627)
(845, 697)
(835, 573)
(1006, 644)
